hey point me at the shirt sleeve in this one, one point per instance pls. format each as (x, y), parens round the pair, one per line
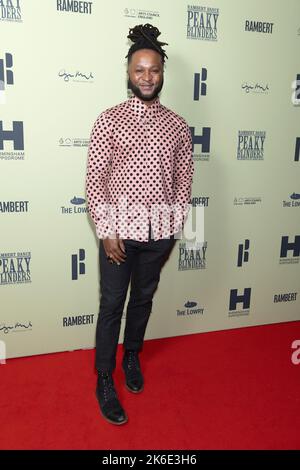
(183, 177)
(100, 152)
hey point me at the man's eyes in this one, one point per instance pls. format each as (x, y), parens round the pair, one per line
(140, 70)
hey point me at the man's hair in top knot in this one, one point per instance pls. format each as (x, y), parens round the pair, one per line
(145, 37)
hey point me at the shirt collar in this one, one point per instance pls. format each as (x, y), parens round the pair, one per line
(142, 110)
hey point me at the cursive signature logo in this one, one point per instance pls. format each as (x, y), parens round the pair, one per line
(256, 88)
(17, 327)
(66, 76)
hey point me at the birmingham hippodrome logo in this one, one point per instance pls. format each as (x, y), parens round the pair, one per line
(12, 141)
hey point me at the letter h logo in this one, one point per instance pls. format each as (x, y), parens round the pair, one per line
(16, 135)
(203, 140)
(286, 246)
(236, 299)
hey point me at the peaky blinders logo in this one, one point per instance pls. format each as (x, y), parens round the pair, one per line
(192, 256)
(10, 10)
(15, 268)
(202, 23)
(251, 145)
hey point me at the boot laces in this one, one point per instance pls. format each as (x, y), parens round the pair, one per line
(107, 386)
(133, 360)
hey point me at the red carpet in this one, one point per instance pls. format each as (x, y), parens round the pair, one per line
(234, 389)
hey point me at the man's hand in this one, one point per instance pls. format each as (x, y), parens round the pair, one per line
(114, 249)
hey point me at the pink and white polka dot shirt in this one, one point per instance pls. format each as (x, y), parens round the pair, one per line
(139, 170)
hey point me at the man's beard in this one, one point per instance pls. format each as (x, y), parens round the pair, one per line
(137, 92)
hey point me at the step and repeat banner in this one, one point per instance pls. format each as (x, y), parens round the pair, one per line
(234, 74)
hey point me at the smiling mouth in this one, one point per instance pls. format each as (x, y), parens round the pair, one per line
(146, 87)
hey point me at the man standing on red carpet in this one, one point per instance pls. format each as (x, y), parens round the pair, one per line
(138, 187)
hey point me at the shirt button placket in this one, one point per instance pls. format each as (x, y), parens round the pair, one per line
(147, 159)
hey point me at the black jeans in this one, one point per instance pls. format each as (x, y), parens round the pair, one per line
(142, 267)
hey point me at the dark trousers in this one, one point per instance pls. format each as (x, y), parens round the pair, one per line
(142, 267)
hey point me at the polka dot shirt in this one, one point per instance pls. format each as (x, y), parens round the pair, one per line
(139, 171)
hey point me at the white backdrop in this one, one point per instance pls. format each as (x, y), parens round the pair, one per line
(230, 72)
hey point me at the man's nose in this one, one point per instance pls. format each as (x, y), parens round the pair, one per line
(147, 75)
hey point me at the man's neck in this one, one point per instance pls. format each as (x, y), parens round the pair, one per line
(147, 103)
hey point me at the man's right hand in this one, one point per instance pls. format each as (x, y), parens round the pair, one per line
(115, 249)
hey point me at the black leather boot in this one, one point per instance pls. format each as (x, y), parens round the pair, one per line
(110, 406)
(133, 374)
